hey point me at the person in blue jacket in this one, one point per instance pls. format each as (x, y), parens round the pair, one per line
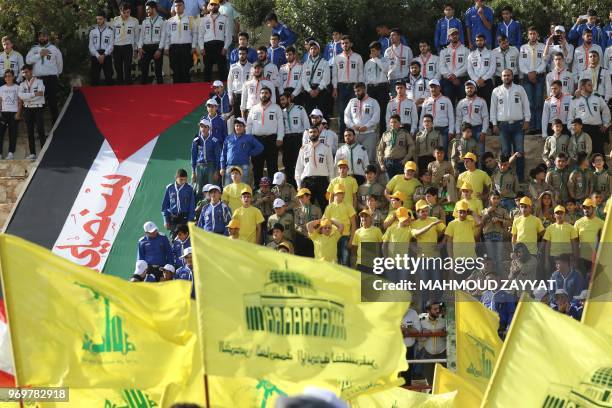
(243, 41)
(566, 278)
(332, 48)
(216, 214)
(509, 27)
(179, 244)
(479, 20)
(205, 155)
(607, 33)
(178, 205)
(186, 271)
(444, 25)
(384, 34)
(276, 52)
(237, 150)
(575, 33)
(218, 126)
(286, 36)
(154, 248)
(221, 96)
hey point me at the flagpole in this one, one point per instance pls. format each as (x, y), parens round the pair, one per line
(206, 394)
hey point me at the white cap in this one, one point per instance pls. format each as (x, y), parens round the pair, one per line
(323, 120)
(278, 203)
(217, 83)
(211, 101)
(141, 267)
(170, 268)
(239, 120)
(149, 226)
(206, 188)
(316, 112)
(212, 187)
(205, 122)
(279, 178)
(560, 28)
(539, 293)
(434, 82)
(561, 292)
(584, 295)
(187, 251)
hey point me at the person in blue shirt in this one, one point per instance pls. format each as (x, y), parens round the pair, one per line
(163, 8)
(607, 33)
(218, 127)
(220, 96)
(575, 33)
(205, 156)
(285, 35)
(276, 52)
(154, 247)
(479, 20)
(444, 25)
(186, 271)
(179, 244)
(509, 27)
(140, 271)
(306, 49)
(501, 302)
(384, 34)
(566, 278)
(238, 148)
(216, 215)
(331, 49)
(243, 41)
(178, 206)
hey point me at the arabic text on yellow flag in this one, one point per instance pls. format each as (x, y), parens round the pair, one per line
(73, 327)
(550, 360)
(265, 312)
(598, 308)
(400, 397)
(478, 343)
(445, 381)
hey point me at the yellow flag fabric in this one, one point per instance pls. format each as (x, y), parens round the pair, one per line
(550, 360)
(295, 317)
(73, 327)
(478, 343)
(598, 308)
(400, 397)
(468, 393)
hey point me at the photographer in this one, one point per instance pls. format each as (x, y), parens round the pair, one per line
(558, 43)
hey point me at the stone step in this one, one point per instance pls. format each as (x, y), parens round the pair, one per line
(10, 188)
(5, 210)
(15, 168)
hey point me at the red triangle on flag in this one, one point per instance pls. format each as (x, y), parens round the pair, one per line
(130, 116)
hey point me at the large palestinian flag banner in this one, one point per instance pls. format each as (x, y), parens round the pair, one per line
(105, 170)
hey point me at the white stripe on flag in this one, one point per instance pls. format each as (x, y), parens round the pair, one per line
(100, 207)
(6, 355)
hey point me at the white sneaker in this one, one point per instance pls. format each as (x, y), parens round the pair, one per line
(9, 156)
(31, 157)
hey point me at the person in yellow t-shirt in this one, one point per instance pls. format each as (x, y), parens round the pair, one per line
(325, 234)
(231, 192)
(367, 233)
(527, 228)
(397, 201)
(560, 238)
(340, 211)
(396, 241)
(234, 229)
(461, 234)
(480, 181)
(250, 218)
(589, 230)
(348, 182)
(426, 231)
(475, 203)
(406, 183)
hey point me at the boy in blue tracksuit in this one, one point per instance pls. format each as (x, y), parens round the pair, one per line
(220, 96)
(575, 33)
(286, 36)
(186, 271)
(332, 48)
(243, 41)
(216, 214)
(238, 149)
(218, 127)
(154, 248)
(509, 27)
(205, 156)
(276, 52)
(179, 244)
(444, 24)
(479, 20)
(178, 206)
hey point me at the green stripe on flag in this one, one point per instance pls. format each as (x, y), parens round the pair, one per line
(172, 151)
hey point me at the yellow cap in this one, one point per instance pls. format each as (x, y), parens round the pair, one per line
(399, 195)
(526, 201)
(246, 190)
(213, 2)
(238, 169)
(342, 163)
(325, 222)
(234, 223)
(467, 186)
(410, 165)
(469, 155)
(338, 188)
(402, 214)
(588, 203)
(421, 204)
(303, 191)
(286, 244)
(462, 205)
(559, 208)
(365, 212)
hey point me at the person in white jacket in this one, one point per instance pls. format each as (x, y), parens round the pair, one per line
(362, 114)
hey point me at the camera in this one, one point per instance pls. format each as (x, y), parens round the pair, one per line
(556, 39)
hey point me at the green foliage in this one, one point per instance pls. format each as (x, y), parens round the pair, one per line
(253, 12)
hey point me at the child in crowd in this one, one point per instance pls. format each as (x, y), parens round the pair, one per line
(555, 144)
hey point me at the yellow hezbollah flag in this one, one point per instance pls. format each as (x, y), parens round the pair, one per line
(77, 328)
(400, 397)
(445, 381)
(478, 343)
(261, 312)
(550, 360)
(598, 308)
